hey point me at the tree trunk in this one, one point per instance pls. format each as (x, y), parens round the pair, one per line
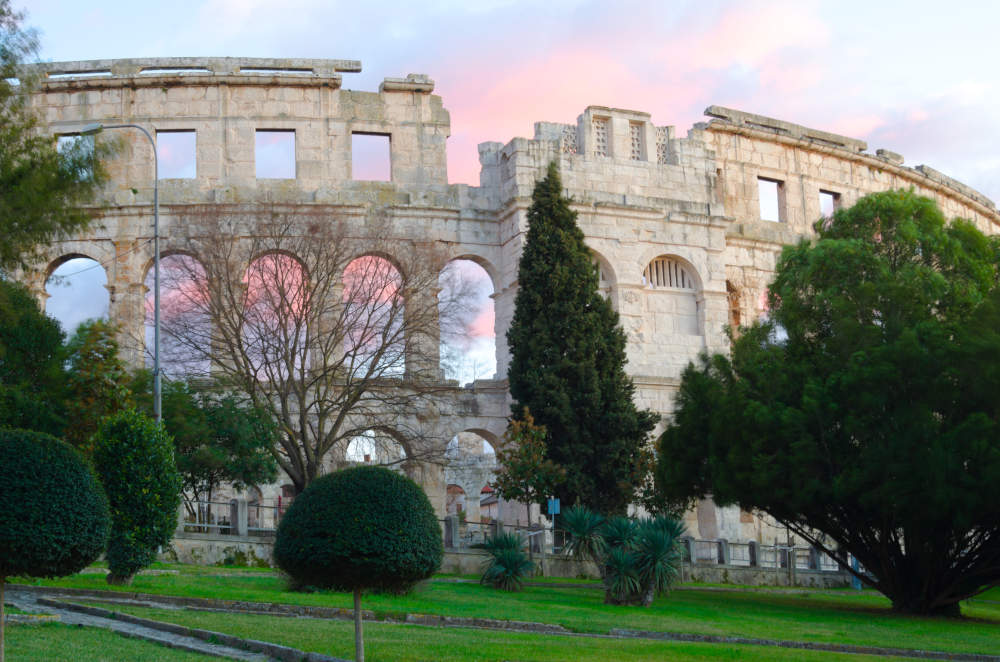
(3, 617)
(116, 580)
(359, 642)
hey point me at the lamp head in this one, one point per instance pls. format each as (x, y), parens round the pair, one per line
(91, 129)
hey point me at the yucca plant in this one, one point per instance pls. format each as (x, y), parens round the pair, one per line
(658, 555)
(584, 528)
(620, 532)
(508, 565)
(622, 581)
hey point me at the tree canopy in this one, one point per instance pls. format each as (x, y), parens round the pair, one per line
(32, 374)
(862, 413)
(43, 189)
(567, 362)
(218, 436)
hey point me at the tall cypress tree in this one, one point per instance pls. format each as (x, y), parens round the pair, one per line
(568, 362)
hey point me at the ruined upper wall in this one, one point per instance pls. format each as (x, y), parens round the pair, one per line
(226, 100)
(805, 162)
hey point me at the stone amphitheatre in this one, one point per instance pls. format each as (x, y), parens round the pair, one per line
(685, 229)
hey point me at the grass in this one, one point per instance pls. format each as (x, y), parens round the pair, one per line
(411, 643)
(829, 616)
(54, 641)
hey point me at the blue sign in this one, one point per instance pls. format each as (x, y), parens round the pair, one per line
(553, 506)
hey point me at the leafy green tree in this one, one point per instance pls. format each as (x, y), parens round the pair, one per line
(96, 381)
(54, 519)
(134, 457)
(219, 437)
(524, 474)
(360, 528)
(32, 375)
(44, 190)
(568, 362)
(865, 408)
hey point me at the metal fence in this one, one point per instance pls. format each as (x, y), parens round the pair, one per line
(232, 518)
(755, 555)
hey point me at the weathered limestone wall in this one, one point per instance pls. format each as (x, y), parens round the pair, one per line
(674, 222)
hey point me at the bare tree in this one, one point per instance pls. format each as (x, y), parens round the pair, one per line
(330, 324)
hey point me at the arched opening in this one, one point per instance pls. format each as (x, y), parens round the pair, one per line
(454, 503)
(374, 324)
(605, 273)
(470, 459)
(672, 297)
(466, 316)
(376, 448)
(275, 316)
(77, 291)
(185, 326)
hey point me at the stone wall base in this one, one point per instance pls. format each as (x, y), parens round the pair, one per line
(210, 549)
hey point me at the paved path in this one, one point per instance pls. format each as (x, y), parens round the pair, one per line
(234, 649)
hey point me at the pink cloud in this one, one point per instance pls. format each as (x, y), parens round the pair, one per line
(482, 325)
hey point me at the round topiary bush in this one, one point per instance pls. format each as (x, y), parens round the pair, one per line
(360, 528)
(54, 519)
(365, 527)
(134, 456)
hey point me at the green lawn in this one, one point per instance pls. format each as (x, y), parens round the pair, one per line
(830, 616)
(52, 642)
(411, 643)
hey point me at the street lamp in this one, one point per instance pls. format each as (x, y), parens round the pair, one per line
(90, 130)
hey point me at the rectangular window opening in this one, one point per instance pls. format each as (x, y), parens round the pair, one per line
(770, 193)
(78, 151)
(172, 71)
(274, 154)
(176, 154)
(371, 157)
(276, 71)
(829, 202)
(59, 75)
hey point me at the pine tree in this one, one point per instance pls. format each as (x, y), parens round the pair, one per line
(568, 358)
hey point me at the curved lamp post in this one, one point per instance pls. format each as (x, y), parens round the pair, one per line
(92, 129)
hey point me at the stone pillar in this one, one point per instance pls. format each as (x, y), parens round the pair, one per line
(423, 341)
(242, 518)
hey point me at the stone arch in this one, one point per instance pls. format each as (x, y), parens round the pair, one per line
(471, 463)
(276, 285)
(76, 289)
(455, 499)
(374, 310)
(674, 299)
(486, 264)
(378, 446)
(466, 319)
(184, 314)
(605, 272)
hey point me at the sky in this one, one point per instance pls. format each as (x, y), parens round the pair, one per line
(915, 77)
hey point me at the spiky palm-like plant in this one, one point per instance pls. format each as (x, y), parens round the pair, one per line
(508, 565)
(584, 526)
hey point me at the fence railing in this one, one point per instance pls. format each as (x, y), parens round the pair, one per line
(236, 517)
(755, 555)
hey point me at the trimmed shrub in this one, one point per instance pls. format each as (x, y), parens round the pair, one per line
(134, 456)
(360, 528)
(54, 519)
